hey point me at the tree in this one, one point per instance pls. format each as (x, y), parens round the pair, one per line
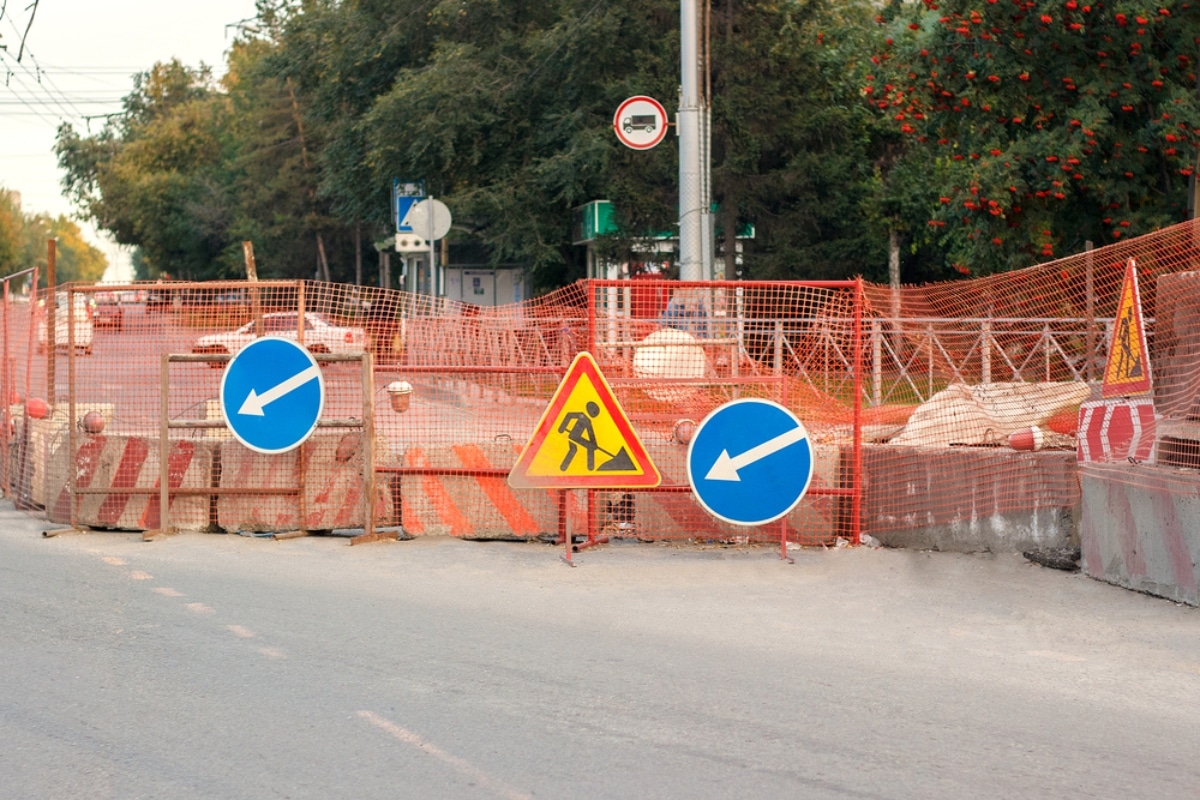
(156, 176)
(11, 224)
(74, 259)
(1048, 123)
(513, 153)
(794, 150)
(23, 239)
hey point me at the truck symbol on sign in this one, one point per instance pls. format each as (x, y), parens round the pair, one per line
(643, 122)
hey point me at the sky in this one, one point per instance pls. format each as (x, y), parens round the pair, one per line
(78, 61)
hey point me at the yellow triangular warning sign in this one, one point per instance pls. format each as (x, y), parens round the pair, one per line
(1128, 369)
(584, 440)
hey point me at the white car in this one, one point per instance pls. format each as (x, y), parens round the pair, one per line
(81, 316)
(320, 336)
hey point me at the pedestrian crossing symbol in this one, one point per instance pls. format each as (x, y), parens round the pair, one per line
(584, 440)
(1128, 369)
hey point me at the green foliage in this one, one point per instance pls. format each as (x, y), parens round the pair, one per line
(157, 177)
(988, 138)
(74, 259)
(1046, 123)
(509, 118)
(11, 224)
(23, 244)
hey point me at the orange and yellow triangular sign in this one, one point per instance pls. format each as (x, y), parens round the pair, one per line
(584, 440)
(1128, 369)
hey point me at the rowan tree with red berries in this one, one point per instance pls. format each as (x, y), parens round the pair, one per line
(1047, 123)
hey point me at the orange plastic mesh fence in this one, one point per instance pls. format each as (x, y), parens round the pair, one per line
(975, 387)
(455, 393)
(930, 406)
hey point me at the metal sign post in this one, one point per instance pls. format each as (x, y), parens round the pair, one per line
(431, 218)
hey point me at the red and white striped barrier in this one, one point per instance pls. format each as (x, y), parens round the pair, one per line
(128, 466)
(1116, 430)
(474, 504)
(332, 487)
(677, 514)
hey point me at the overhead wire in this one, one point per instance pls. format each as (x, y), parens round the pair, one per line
(37, 72)
(45, 97)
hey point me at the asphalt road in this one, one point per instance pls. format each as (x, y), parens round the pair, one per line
(219, 666)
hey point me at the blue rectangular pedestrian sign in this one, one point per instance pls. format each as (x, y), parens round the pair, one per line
(405, 195)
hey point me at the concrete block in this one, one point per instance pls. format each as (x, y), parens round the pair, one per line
(679, 515)
(130, 462)
(1140, 528)
(970, 499)
(332, 494)
(476, 506)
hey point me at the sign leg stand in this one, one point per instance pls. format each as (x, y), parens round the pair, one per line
(783, 542)
(592, 538)
(564, 532)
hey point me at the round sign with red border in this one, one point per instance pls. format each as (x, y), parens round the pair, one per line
(640, 122)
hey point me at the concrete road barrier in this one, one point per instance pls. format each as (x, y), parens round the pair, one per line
(1140, 528)
(332, 495)
(129, 467)
(476, 506)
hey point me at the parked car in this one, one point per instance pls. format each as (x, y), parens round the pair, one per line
(109, 313)
(320, 336)
(81, 316)
(159, 300)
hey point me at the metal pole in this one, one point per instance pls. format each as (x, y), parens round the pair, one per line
(72, 472)
(7, 391)
(691, 184)
(856, 496)
(51, 322)
(437, 289)
(164, 445)
(25, 485)
(1090, 289)
(368, 448)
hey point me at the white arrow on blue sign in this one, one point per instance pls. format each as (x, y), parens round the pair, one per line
(403, 206)
(406, 194)
(750, 462)
(272, 395)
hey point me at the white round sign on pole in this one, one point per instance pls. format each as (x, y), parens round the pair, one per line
(428, 212)
(640, 122)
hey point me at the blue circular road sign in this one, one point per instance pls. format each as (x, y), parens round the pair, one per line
(750, 462)
(272, 394)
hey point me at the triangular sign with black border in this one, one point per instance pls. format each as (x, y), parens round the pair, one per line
(1127, 371)
(584, 440)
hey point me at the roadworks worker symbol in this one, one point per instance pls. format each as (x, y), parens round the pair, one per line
(584, 440)
(1128, 369)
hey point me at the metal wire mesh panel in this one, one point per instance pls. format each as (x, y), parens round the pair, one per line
(132, 376)
(675, 352)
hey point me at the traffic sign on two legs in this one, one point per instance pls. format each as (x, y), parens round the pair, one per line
(272, 394)
(750, 462)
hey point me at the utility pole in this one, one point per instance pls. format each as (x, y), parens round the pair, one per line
(695, 218)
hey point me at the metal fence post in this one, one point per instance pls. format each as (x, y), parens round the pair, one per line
(876, 363)
(985, 351)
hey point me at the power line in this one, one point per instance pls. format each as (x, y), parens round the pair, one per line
(26, 103)
(38, 71)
